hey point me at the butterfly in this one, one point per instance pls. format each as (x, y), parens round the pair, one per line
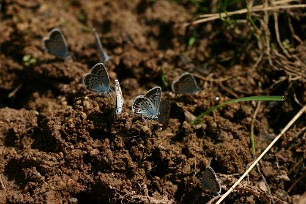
(210, 181)
(55, 44)
(103, 54)
(97, 79)
(186, 84)
(119, 97)
(148, 105)
(164, 111)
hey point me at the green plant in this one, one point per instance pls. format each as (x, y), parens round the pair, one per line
(286, 44)
(29, 60)
(164, 80)
(82, 16)
(192, 39)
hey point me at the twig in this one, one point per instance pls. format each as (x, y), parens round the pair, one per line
(295, 36)
(214, 16)
(264, 152)
(2, 185)
(13, 93)
(294, 184)
(229, 91)
(267, 32)
(275, 15)
(210, 79)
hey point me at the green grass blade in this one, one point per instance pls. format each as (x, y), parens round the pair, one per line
(164, 80)
(251, 98)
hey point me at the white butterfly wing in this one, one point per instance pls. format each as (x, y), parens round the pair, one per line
(119, 97)
(154, 95)
(144, 107)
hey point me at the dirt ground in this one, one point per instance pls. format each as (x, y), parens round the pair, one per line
(61, 143)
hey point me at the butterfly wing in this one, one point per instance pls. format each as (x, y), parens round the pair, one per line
(119, 97)
(55, 44)
(97, 80)
(144, 107)
(210, 181)
(101, 50)
(164, 110)
(186, 84)
(154, 95)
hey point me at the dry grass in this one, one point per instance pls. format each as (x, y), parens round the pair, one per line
(278, 5)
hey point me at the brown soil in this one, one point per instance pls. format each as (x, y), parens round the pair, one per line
(61, 143)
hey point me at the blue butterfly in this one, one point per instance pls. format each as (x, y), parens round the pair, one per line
(186, 84)
(103, 54)
(148, 105)
(56, 45)
(210, 181)
(97, 79)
